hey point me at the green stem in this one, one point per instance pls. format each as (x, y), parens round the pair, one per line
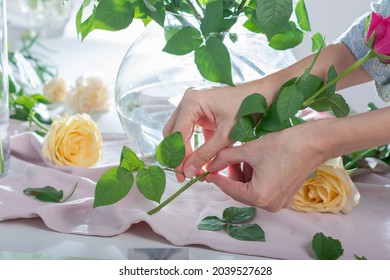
(362, 155)
(191, 5)
(72, 192)
(176, 194)
(38, 123)
(241, 7)
(357, 64)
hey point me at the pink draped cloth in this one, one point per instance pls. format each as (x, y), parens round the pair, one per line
(365, 231)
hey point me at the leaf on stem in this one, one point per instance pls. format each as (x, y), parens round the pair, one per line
(242, 130)
(184, 41)
(113, 15)
(213, 61)
(253, 104)
(302, 16)
(151, 182)
(212, 17)
(273, 15)
(317, 42)
(326, 248)
(129, 160)
(289, 38)
(171, 150)
(289, 102)
(112, 186)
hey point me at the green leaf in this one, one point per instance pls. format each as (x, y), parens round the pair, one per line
(317, 42)
(302, 16)
(184, 41)
(212, 17)
(112, 186)
(211, 223)
(252, 104)
(151, 182)
(326, 248)
(252, 23)
(332, 74)
(171, 151)
(289, 102)
(156, 10)
(271, 122)
(47, 194)
(237, 215)
(113, 15)
(247, 232)
(85, 27)
(339, 106)
(129, 160)
(40, 98)
(273, 15)
(308, 84)
(243, 130)
(213, 61)
(287, 39)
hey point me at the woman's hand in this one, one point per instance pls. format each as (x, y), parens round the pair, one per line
(275, 166)
(213, 109)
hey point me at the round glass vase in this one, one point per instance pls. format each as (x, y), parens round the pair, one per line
(151, 82)
(5, 151)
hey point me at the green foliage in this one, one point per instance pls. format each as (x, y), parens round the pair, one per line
(214, 19)
(233, 221)
(114, 184)
(213, 61)
(171, 151)
(47, 194)
(326, 248)
(151, 182)
(298, 93)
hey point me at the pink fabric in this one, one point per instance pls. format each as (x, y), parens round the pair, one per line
(365, 231)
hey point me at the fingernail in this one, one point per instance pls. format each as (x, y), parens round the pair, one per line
(190, 171)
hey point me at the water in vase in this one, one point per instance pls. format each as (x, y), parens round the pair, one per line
(145, 111)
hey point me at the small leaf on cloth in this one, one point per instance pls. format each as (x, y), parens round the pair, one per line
(236, 215)
(326, 248)
(247, 232)
(211, 223)
(47, 194)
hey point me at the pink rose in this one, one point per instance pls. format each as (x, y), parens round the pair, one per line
(379, 28)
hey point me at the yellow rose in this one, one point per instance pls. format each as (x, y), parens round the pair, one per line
(73, 141)
(90, 95)
(55, 90)
(331, 190)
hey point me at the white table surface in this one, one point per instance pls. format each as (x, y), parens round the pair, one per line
(102, 53)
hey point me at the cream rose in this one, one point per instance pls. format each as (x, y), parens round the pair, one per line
(55, 90)
(90, 95)
(331, 190)
(73, 141)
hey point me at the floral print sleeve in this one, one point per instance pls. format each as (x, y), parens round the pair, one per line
(353, 38)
